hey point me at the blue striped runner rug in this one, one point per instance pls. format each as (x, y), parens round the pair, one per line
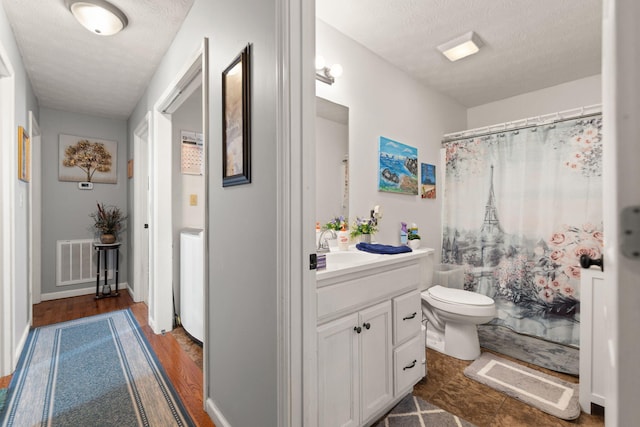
(98, 370)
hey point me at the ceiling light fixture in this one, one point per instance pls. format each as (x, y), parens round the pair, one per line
(327, 74)
(461, 47)
(98, 16)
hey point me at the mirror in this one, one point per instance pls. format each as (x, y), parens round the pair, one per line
(332, 160)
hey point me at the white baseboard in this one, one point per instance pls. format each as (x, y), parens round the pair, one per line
(77, 292)
(20, 346)
(218, 419)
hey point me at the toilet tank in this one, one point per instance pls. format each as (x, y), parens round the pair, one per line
(449, 276)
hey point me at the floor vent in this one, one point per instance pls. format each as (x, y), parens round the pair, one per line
(76, 262)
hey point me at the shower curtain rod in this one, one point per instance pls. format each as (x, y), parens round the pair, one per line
(531, 122)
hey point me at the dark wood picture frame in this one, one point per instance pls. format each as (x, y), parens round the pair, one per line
(236, 120)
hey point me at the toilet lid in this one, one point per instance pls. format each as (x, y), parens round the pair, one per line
(458, 296)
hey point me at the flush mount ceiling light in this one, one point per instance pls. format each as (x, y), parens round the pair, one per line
(98, 16)
(461, 47)
(327, 74)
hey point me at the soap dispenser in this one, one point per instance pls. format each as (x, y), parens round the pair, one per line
(343, 239)
(403, 233)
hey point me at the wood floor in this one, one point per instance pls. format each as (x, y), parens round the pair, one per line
(447, 387)
(183, 372)
(444, 386)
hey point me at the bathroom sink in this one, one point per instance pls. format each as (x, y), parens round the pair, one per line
(343, 259)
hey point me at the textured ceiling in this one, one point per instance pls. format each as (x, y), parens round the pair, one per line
(529, 44)
(75, 70)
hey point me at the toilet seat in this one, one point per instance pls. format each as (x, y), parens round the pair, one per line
(459, 301)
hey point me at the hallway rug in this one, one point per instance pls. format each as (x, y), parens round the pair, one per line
(554, 356)
(98, 370)
(415, 412)
(549, 394)
(3, 397)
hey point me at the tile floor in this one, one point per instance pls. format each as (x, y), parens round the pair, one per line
(447, 387)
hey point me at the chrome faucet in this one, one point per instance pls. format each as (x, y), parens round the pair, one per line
(323, 245)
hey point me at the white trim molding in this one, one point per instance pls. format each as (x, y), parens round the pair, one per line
(8, 182)
(122, 286)
(295, 134)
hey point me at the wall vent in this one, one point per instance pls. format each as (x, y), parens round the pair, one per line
(76, 262)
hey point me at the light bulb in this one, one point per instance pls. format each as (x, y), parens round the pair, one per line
(336, 70)
(320, 63)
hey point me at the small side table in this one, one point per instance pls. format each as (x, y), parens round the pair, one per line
(103, 250)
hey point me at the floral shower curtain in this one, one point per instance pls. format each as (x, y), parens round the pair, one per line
(520, 207)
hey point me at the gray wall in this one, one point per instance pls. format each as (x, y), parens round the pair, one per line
(65, 208)
(241, 364)
(25, 101)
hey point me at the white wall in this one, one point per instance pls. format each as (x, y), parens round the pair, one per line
(241, 363)
(332, 143)
(578, 93)
(384, 101)
(188, 118)
(65, 208)
(17, 286)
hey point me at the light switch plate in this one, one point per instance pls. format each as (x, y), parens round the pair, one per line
(193, 199)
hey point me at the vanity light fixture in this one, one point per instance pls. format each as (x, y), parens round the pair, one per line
(327, 74)
(461, 47)
(98, 16)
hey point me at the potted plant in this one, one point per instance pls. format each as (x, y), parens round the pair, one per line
(336, 223)
(414, 240)
(108, 222)
(363, 228)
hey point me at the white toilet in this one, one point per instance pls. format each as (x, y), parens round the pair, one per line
(452, 315)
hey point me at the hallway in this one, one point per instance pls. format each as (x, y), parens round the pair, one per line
(185, 374)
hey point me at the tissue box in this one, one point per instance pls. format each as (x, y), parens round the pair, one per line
(321, 260)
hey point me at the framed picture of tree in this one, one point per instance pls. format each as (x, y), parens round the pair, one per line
(83, 159)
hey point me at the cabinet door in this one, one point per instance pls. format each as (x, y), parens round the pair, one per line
(375, 359)
(338, 376)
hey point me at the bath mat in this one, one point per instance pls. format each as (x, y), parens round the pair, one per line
(99, 370)
(549, 394)
(557, 357)
(415, 412)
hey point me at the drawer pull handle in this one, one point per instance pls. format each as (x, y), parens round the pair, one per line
(413, 316)
(366, 325)
(358, 329)
(410, 366)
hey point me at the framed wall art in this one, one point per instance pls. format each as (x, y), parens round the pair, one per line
(236, 120)
(24, 155)
(398, 167)
(428, 180)
(87, 160)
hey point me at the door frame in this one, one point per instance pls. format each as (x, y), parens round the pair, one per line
(8, 182)
(296, 283)
(35, 216)
(141, 138)
(620, 66)
(160, 173)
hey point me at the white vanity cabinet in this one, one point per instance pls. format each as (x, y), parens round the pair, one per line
(593, 339)
(370, 350)
(355, 366)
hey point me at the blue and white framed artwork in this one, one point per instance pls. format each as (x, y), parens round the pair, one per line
(428, 180)
(398, 167)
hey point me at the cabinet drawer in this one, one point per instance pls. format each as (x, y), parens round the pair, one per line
(407, 316)
(407, 364)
